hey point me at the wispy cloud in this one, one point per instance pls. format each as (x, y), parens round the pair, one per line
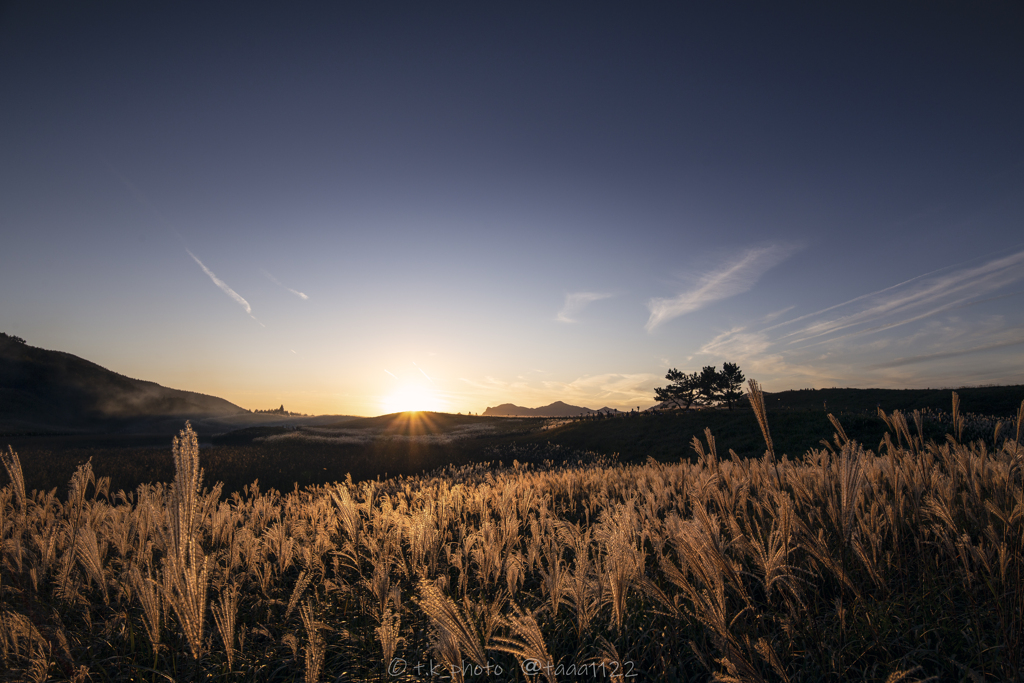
(278, 283)
(943, 325)
(737, 343)
(575, 303)
(620, 389)
(390, 373)
(915, 299)
(224, 287)
(777, 314)
(1018, 340)
(728, 280)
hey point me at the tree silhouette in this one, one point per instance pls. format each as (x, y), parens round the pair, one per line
(732, 383)
(682, 392)
(708, 387)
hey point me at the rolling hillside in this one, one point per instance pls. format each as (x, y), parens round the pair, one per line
(43, 390)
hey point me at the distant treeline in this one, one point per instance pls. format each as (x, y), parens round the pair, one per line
(278, 411)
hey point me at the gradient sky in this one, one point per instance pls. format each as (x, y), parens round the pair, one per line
(358, 209)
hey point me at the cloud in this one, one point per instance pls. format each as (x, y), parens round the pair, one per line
(575, 303)
(777, 314)
(278, 283)
(737, 343)
(924, 358)
(905, 300)
(942, 326)
(728, 280)
(611, 387)
(224, 287)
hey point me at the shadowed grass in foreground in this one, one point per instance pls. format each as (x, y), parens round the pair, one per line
(848, 564)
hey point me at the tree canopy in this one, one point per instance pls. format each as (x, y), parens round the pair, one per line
(708, 387)
(682, 392)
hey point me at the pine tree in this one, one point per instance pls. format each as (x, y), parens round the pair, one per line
(709, 386)
(682, 392)
(732, 383)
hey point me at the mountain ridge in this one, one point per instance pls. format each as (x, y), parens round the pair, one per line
(556, 409)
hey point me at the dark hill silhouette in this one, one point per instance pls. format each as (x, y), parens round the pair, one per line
(1000, 401)
(556, 409)
(43, 390)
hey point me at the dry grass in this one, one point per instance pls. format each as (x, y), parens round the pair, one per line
(846, 564)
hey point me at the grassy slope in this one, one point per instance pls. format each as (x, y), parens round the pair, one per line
(669, 437)
(998, 401)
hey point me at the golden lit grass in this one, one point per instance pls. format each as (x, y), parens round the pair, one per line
(844, 565)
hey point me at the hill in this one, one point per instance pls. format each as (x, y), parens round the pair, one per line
(556, 409)
(42, 390)
(1000, 401)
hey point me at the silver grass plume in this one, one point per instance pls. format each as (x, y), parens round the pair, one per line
(300, 588)
(314, 644)
(13, 466)
(452, 627)
(387, 634)
(224, 616)
(185, 591)
(185, 491)
(526, 643)
(149, 595)
(851, 479)
(76, 503)
(958, 419)
(1019, 423)
(757, 403)
(186, 568)
(608, 656)
(88, 551)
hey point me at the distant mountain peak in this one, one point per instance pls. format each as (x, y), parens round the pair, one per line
(556, 409)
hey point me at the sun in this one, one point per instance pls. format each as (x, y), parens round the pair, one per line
(410, 398)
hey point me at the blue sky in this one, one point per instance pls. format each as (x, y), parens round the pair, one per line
(360, 209)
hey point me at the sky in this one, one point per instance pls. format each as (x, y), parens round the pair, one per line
(361, 208)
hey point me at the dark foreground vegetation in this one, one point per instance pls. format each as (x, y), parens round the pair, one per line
(853, 562)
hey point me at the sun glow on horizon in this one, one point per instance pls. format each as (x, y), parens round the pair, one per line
(413, 398)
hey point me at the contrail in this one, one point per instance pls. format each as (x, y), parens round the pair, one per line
(424, 372)
(224, 287)
(142, 199)
(390, 373)
(277, 282)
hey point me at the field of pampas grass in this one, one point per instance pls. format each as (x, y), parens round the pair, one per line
(846, 565)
